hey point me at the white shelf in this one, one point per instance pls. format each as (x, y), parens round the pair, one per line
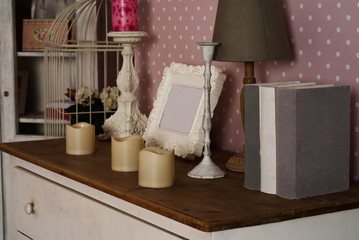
(32, 118)
(40, 54)
(30, 54)
(39, 118)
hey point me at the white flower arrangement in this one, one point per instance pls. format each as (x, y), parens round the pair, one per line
(83, 95)
(109, 98)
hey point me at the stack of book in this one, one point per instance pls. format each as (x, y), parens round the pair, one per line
(297, 138)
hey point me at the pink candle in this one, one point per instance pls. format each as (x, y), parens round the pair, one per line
(124, 15)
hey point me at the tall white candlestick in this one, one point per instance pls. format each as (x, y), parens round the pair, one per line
(207, 168)
(127, 120)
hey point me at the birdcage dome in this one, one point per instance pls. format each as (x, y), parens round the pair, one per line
(79, 59)
(80, 23)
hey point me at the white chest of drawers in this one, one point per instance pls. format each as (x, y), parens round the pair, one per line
(50, 195)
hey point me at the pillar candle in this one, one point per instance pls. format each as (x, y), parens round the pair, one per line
(80, 139)
(156, 168)
(124, 15)
(124, 153)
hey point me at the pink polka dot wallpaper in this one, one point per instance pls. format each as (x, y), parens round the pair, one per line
(324, 38)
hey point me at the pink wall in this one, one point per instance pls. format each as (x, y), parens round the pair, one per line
(325, 45)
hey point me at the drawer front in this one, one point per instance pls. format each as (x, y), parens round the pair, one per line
(46, 210)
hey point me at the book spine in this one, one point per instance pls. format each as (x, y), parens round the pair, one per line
(267, 139)
(252, 141)
(286, 142)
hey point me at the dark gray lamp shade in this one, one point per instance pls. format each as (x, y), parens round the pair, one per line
(250, 30)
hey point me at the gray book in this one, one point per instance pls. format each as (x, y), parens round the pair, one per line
(312, 140)
(252, 128)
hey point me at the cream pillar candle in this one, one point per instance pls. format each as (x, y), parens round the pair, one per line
(80, 139)
(124, 153)
(156, 168)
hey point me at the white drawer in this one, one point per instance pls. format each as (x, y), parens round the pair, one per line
(61, 213)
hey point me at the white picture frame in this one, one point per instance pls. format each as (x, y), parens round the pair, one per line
(175, 122)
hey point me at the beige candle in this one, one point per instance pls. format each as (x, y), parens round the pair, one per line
(124, 153)
(156, 168)
(80, 139)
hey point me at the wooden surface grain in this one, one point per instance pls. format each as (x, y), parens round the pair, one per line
(207, 205)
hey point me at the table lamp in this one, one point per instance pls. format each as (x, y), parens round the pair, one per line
(249, 31)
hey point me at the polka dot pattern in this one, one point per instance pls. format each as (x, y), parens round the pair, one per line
(324, 39)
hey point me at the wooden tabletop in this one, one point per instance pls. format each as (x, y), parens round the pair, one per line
(207, 205)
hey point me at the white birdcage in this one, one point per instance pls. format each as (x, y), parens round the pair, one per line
(78, 57)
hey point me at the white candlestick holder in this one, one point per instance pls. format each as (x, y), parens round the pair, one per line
(207, 169)
(127, 120)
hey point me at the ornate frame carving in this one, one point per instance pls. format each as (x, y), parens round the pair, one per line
(186, 145)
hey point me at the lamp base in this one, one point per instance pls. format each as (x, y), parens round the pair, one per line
(236, 163)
